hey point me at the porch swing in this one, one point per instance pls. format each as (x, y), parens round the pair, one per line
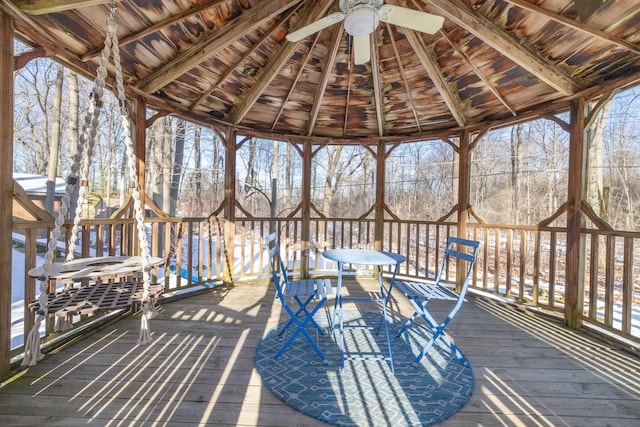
(99, 284)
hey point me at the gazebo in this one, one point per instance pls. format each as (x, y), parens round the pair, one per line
(228, 65)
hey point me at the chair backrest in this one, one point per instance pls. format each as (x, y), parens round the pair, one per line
(463, 249)
(278, 268)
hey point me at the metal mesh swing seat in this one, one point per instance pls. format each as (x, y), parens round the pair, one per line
(420, 293)
(302, 293)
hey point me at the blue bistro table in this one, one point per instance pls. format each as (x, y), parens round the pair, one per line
(364, 257)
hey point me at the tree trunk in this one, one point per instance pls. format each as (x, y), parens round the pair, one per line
(596, 161)
(54, 147)
(197, 175)
(178, 159)
(74, 100)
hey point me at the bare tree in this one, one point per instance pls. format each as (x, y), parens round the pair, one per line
(54, 146)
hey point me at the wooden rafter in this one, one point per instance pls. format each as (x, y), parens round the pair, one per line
(294, 84)
(377, 90)
(430, 64)
(41, 7)
(407, 88)
(477, 71)
(232, 31)
(316, 10)
(155, 27)
(348, 97)
(561, 19)
(336, 37)
(487, 31)
(205, 94)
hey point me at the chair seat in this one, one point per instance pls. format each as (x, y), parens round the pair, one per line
(426, 290)
(309, 287)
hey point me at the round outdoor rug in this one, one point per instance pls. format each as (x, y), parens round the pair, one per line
(366, 393)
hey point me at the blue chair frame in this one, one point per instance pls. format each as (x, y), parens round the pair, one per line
(303, 292)
(420, 293)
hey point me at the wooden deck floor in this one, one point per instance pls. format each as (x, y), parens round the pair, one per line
(199, 370)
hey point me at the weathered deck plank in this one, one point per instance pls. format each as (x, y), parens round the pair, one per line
(199, 370)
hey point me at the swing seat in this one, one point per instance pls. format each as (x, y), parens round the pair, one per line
(97, 297)
(114, 283)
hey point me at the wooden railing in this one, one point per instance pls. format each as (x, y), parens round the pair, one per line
(522, 264)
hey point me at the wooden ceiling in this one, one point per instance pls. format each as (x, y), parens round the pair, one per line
(228, 62)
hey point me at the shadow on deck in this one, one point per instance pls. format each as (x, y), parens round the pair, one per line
(199, 370)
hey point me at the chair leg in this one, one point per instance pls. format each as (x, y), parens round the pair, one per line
(437, 329)
(302, 309)
(300, 328)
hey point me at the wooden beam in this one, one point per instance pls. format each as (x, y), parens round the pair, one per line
(575, 257)
(334, 44)
(477, 71)
(377, 89)
(242, 59)
(305, 204)
(568, 22)
(407, 88)
(6, 189)
(430, 64)
(23, 59)
(315, 11)
(41, 7)
(381, 168)
(229, 140)
(464, 196)
(295, 82)
(230, 32)
(486, 30)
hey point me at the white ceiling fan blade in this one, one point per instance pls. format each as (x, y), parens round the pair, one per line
(361, 49)
(314, 27)
(410, 18)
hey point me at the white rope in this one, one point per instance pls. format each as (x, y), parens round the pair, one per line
(32, 353)
(145, 332)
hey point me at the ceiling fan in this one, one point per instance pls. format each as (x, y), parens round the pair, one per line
(361, 18)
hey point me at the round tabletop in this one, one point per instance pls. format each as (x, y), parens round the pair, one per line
(98, 268)
(363, 256)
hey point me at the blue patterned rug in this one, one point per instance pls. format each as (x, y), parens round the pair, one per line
(366, 393)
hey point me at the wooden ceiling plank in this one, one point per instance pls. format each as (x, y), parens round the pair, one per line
(403, 73)
(487, 31)
(42, 7)
(561, 19)
(155, 27)
(336, 37)
(430, 64)
(292, 88)
(316, 10)
(377, 87)
(229, 33)
(241, 60)
(477, 71)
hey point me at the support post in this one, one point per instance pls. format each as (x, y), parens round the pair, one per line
(230, 206)
(464, 197)
(6, 189)
(381, 157)
(574, 282)
(305, 233)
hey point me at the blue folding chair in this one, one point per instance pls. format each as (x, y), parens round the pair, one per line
(303, 292)
(420, 293)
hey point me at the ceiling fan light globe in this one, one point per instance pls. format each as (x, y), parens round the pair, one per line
(361, 21)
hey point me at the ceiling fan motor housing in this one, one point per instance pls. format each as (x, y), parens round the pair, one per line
(347, 6)
(361, 16)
